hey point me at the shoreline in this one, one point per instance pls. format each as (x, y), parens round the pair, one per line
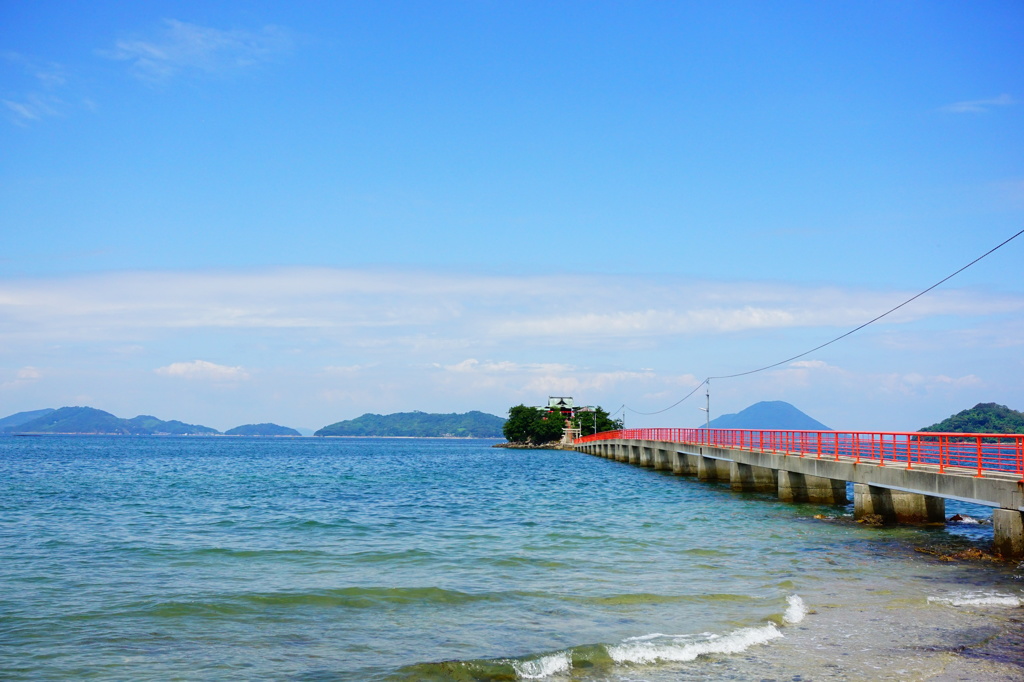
(553, 445)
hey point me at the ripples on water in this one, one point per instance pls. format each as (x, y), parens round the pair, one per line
(206, 558)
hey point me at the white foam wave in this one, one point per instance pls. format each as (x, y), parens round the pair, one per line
(545, 666)
(979, 599)
(688, 647)
(796, 611)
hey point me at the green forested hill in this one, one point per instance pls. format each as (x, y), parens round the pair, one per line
(15, 420)
(419, 425)
(91, 420)
(982, 418)
(261, 430)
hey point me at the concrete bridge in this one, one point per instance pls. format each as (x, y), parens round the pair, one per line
(902, 477)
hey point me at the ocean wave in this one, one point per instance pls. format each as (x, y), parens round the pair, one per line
(682, 648)
(649, 649)
(979, 599)
(545, 666)
(651, 598)
(216, 605)
(796, 611)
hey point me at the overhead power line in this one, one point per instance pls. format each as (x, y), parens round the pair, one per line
(841, 336)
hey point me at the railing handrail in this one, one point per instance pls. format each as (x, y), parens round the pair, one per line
(980, 453)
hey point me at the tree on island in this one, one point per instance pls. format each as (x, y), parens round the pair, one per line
(982, 418)
(535, 425)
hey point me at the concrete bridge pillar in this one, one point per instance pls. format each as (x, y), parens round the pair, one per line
(682, 463)
(795, 487)
(1008, 532)
(622, 453)
(750, 478)
(707, 469)
(661, 461)
(896, 506)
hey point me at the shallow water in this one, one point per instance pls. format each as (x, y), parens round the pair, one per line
(366, 559)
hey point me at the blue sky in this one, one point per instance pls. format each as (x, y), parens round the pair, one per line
(244, 211)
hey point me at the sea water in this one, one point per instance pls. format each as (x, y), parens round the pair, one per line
(134, 558)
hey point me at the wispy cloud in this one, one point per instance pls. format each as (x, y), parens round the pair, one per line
(805, 373)
(24, 376)
(978, 106)
(424, 311)
(203, 371)
(181, 47)
(38, 98)
(332, 341)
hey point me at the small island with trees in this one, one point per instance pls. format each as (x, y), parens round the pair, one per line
(982, 418)
(417, 425)
(543, 427)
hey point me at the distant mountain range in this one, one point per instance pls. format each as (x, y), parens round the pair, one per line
(771, 414)
(89, 420)
(419, 425)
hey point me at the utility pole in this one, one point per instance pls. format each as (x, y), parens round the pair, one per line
(707, 398)
(707, 410)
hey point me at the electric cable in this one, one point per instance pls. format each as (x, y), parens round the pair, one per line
(841, 336)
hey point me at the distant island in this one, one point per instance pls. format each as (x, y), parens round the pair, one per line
(769, 414)
(261, 430)
(982, 418)
(16, 420)
(90, 421)
(418, 425)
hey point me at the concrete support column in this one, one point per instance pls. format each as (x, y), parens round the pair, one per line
(660, 459)
(707, 469)
(792, 487)
(765, 480)
(825, 490)
(1008, 532)
(681, 464)
(646, 456)
(896, 506)
(741, 477)
(750, 478)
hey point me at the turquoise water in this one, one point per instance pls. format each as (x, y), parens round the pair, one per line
(387, 559)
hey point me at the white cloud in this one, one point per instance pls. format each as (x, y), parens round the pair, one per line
(343, 342)
(978, 106)
(810, 364)
(182, 47)
(916, 384)
(429, 312)
(37, 99)
(203, 370)
(473, 365)
(24, 376)
(344, 369)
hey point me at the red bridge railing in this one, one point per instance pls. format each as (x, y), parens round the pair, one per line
(978, 454)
